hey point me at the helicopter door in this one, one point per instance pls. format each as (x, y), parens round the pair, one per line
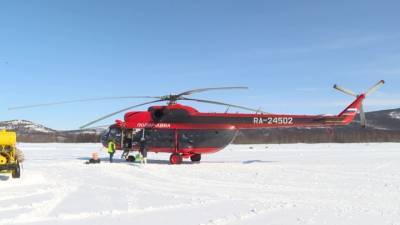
(212, 138)
(159, 138)
(185, 139)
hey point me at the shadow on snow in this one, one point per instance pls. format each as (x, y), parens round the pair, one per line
(166, 162)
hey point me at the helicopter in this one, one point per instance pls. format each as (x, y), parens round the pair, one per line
(184, 132)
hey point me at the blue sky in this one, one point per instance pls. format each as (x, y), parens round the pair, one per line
(289, 53)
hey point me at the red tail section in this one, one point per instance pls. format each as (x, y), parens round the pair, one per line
(351, 111)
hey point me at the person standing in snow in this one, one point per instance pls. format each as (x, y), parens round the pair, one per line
(111, 150)
(143, 150)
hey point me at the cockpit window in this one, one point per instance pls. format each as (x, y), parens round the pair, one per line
(113, 134)
(114, 131)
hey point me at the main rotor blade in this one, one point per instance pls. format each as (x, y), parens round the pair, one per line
(224, 104)
(208, 89)
(344, 90)
(375, 87)
(363, 120)
(76, 101)
(117, 112)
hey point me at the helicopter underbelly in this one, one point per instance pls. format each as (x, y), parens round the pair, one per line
(185, 141)
(189, 141)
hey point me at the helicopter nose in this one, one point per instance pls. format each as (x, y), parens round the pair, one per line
(114, 133)
(105, 139)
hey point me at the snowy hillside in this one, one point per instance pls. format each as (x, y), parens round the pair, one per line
(341, 184)
(395, 115)
(382, 126)
(32, 132)
(28, 127)
(386, 119)
(24, 127)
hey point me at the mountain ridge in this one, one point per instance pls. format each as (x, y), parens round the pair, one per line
(28, 131)
(383, 125)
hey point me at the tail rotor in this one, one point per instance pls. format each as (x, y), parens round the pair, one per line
(345, 90)
(363, 120)
(375, 87)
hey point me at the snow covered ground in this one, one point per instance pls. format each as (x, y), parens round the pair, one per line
(258, 184)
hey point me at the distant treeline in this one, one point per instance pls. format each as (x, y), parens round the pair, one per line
(61, 137)
(263, 136)
(317, 135)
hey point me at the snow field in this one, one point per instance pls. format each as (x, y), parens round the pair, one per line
(243, 184)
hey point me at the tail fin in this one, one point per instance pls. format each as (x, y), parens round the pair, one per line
(351, 111)
(357, 106)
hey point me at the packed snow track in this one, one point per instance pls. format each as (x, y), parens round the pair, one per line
(243, 184)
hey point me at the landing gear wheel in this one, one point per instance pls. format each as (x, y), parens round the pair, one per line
(195, 158)
(175, 159)
(131, 158)
(16, 173)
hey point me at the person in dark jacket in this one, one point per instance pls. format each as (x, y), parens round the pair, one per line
(143, 150)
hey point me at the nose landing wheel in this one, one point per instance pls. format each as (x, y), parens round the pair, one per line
(195, 158)
(175, 159)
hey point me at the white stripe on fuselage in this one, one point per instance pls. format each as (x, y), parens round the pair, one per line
(352, 110)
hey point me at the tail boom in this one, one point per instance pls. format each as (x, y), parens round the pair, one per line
(274, 120)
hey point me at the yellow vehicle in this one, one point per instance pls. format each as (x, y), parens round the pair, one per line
(10, 156)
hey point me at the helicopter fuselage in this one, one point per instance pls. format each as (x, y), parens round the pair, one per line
(182, 129)
(185, 132)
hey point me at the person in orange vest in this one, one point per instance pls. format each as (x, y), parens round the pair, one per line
(111, 150)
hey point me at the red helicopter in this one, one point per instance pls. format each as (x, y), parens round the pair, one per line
(185, 132)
